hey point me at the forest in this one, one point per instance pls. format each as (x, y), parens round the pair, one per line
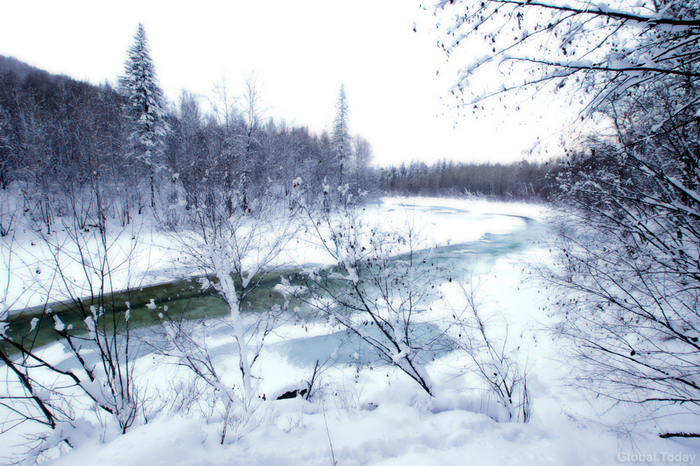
(62, 138)
(334, 288)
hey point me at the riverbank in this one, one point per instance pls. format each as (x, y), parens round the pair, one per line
(366, 412)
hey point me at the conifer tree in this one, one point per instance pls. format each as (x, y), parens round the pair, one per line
(341, 136)
(144, 110)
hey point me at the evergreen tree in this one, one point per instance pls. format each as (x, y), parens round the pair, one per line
(341, 136)
(144, 110)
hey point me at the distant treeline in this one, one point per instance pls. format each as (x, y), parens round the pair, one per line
(516, 180)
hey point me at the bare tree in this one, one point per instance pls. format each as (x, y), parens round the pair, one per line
(599, 50)
(224, 141)
(188, 156)
(627, 273)
(364, 174)
(485, 341)
(93, 325)
(223, 103)
(254, 110)
(238, 253)
(381, 281)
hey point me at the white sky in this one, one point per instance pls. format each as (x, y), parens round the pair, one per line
(302, 51)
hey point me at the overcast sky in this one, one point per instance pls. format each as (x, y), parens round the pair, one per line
(302, 51)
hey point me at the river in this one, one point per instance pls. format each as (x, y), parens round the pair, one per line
(499, 234)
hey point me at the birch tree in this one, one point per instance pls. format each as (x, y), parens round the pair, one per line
(237, 253)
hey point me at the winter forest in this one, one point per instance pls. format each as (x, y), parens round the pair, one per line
(195, 282)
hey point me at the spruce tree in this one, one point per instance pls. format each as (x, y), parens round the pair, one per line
(341, 136)
(144, 110)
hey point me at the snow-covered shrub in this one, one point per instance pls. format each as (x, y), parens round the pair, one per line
(627, 273)
(382, 280)
(483, 338)
(89, 380)
(238, 251)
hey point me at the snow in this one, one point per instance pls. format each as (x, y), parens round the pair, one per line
(58, 324)
(389, 435)
(364, 412)
(136, 250)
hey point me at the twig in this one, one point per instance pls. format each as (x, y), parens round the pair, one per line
(330, 442)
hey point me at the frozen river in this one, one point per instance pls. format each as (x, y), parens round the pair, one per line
(465, 242)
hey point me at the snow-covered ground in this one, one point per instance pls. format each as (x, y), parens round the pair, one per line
(372, 413)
